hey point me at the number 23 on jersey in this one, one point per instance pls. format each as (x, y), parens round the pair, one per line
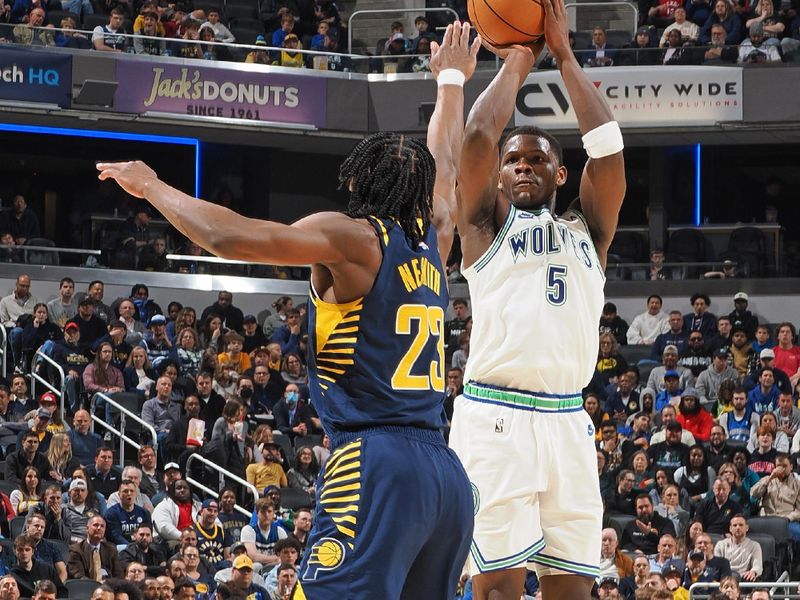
(430, 322)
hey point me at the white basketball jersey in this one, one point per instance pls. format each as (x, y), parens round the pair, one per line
(537, 296)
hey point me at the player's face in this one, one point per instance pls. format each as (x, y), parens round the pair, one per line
(529, 171)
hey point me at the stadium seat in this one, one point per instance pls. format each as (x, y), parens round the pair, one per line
(245, 35)
(634, 353)
(618, 37)
(614, 269)
(307, 441)
(630, 246)
(92, 21)
(16, 526)
(81, 588)
(54, 17)
(286, 446)
(750, 244)
(768, 556)
(40, 257)
(240, 11)
(248, 23)
(619, 522)
(778, 529)
(687, 245)
(583, 39)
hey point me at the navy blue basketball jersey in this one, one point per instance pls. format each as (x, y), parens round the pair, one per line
(379, 360)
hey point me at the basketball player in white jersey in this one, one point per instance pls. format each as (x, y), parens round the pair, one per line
(536, 282)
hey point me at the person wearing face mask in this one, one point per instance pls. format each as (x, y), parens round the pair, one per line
(176, 447)
(293, 417)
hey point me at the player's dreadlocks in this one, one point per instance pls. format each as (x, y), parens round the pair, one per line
(391, 176)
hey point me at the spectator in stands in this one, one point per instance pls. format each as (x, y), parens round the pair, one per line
(763, 339)
(629, 585)
(764, 397)
(773, 25)
(642, 534)
(304, 472)
(611, 322)
(715, 513)
(791, 43)
(13, 311)
(641, 49)
(739, 421)
(742, 356)
(670, 395)
(38, 330)
(27, 571)
(781, 442)
(260, 539)
(743, 553)
(622, 498)
(21, 401)
(160, 411)
(149, 38)
(134, 475)
(700, 319)
(289, 57)
(302, 527)
(647, 326)
(124, 517)
(293, 370)
(787, 415)
(92, 327)
(175, 444)
(288, 335)
(239, 361)
(109, 38)
(624, 400)
(28, 492)
(286, 28)
(716, 566)
(82, 505)
(84, 443)
(186, 353)
(63, 308)
(695, 477)
(121, 349)
(186, 317)
(709, 381)
(740, 316)
(670, 508)
(661, 13)
(762, 457)
(253, 336)
(695, 357)
(60, 456)
(259, 55)
(674, 336)
(135, 329)
(44, 550)
(103, 377)
(21, 222)
(27, 456)
(611, 443)
(779, 494)
(766, 361)
(269, 471)
(93, 557)
(188, 46)
(176, 512)
(221, 32)
(690, 32)
(142, 550)
(211, 403)
(723, 15)
(693, 417)
(669, 360)
(696, 570)
(787, 355)
(105, 477)
(156, 343)
(718, 451)
(212, 543)
(95, 293)
(293, 416)
(671, 453)
(601, 53)
(321, 41)
(139, 375)
(667, 555)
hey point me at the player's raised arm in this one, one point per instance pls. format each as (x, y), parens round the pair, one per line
(452, 64)
(314, 239)
(488, 118)
(603, 181)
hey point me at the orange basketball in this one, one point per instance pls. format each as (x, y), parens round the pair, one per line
(506, 22)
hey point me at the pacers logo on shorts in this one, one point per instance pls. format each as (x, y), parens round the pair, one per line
(326, 555)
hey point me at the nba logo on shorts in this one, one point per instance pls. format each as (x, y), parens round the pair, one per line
(590, 429)
(326, 555)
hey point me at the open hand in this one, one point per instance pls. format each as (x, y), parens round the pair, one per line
(455, 51)
(132, 177)
(556, 28)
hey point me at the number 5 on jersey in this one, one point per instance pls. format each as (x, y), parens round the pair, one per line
(430, 321)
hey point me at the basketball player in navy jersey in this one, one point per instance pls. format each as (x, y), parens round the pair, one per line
(536, 285)
(394, 506)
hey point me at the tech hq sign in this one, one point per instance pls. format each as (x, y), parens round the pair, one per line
(660, 96)
(31, 76)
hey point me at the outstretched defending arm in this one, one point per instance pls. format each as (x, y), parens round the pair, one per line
(603, 181)
(452, 64)
(477, 181)
(323, 238)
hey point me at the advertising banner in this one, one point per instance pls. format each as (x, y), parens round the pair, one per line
(231, 93)
(658, 96)
(30, 76)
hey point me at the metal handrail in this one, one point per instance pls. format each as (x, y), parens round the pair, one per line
(208, 259)
(189, 479)
(388, 10)
(120, 433)
(634, 7)
(47, 384)
(59, 249)
(773, 585)
(3, 349)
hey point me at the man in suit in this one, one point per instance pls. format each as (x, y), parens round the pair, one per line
(601, 54)
(94, 558)
(292, 417)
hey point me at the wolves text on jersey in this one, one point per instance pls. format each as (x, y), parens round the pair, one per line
(549, 238)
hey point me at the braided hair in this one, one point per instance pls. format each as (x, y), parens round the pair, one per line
(391, 176)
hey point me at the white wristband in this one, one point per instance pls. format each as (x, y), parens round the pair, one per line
(604, 140)
(451, 77)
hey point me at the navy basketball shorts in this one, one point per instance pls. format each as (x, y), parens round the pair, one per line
(393, 519)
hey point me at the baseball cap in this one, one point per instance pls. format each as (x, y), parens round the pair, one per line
(210, 503)
(721, 353)
(43, 413)
(172, 465)
(157, 320)
(674, 426)
(767, 353)
(85, 300)
(116, 323)
(671, 570)
(242, 562)
(71, 326)
(740, 296)
(608, 581)
(697, 555)
(77, 483)
(238, 546)
(48, 397)
(690, 392)
(671, 373)
(250, 319)
(670, 348)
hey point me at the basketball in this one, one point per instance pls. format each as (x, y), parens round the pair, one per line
(507, 22)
